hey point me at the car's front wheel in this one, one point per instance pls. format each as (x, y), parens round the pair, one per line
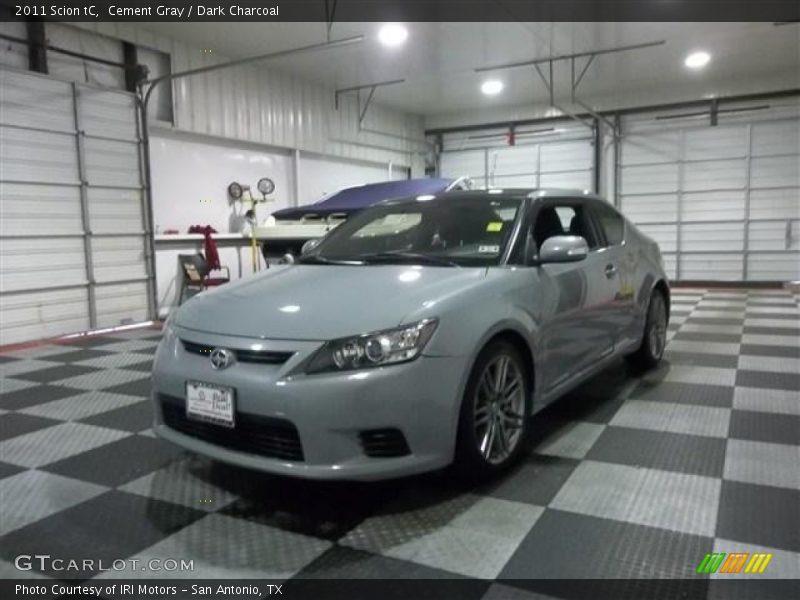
(654, 340)
(494, 424)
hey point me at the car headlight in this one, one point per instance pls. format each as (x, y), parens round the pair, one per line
(386, 347)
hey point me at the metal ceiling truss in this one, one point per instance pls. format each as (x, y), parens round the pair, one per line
(577, 74)
(362, 110)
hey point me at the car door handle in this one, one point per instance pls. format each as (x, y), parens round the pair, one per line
(611, 270)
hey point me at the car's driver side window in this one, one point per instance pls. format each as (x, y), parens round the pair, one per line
(562, 219)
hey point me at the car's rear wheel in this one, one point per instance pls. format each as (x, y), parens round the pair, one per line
(494, 421)
(654, 341)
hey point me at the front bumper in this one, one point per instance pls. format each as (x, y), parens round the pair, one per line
(420, 398)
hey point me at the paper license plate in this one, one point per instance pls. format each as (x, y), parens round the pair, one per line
(209, 403)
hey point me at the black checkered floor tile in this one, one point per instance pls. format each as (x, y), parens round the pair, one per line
(628, 478)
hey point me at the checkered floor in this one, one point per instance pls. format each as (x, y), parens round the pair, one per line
(629, 477)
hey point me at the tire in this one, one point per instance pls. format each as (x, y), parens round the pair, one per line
(654, 338)
(479, 453)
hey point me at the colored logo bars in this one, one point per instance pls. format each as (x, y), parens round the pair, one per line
(721, 562)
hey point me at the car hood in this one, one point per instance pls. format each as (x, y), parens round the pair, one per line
(323, 302)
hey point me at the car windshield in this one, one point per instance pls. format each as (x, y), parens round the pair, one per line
(444, 231)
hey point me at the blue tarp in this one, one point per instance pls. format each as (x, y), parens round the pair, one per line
(353, 199)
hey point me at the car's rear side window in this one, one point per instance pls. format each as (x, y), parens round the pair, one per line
(612, 223)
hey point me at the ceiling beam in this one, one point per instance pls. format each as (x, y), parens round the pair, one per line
(357, 89)
(560, 57)
(788, 93)
(272, 55)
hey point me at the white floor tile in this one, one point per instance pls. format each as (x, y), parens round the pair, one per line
(674, 501)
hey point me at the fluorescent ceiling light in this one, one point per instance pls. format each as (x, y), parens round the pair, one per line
(392, 35)
(697, 60)
(490, 87)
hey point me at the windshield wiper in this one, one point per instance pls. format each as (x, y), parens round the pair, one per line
(406, 257)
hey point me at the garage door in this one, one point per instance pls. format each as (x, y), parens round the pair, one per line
(72, 217)
(723, 201)
(561, 155)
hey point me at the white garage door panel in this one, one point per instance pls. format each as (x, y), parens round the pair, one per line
(717, 237)
(566, 156)
(725, 267)
(650, 179)
(112, 163)
(654, 148)
(580, 180)
(118, 258)
(777, 171)
(121, 303)
(775, 204)
(515, 181)
(35, 101)
(670, 265)
(45, 262)
(108, 114)
(563, 159)
(716, 142)
(715, 175)
(665, 235)
(115, 210)
(43, 314)
(468, 162)
(782, 137)
(774, 267)
(514, 160)
(713, 206)
(53, 229)
(37, 157)
(774, 235)
(39, 209)
(736, 187)
(656, 208)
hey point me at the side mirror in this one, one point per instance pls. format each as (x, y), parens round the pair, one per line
(309, 246)
(563, 249)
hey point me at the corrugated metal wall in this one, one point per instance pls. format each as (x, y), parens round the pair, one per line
(261, 105)
(557, 156)
(72, 212)
(722, 201)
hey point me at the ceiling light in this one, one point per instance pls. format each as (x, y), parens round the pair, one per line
(697, 60)
(392, 34)
(490, 87)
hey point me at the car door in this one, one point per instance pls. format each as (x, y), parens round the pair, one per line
(619, 268)
(574, 331)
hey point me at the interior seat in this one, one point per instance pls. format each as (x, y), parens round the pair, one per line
(547, 225)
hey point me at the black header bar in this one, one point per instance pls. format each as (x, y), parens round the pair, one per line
(778, 11)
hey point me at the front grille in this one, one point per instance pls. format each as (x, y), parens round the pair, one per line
(384, 443)
(264, 357)
(265, 436)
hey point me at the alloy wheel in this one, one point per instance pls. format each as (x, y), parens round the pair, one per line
(499, 409)
(657, 334)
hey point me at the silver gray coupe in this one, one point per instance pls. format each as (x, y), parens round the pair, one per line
(421, 332)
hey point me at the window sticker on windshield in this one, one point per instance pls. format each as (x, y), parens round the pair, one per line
(489, 249)
(494, 226)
